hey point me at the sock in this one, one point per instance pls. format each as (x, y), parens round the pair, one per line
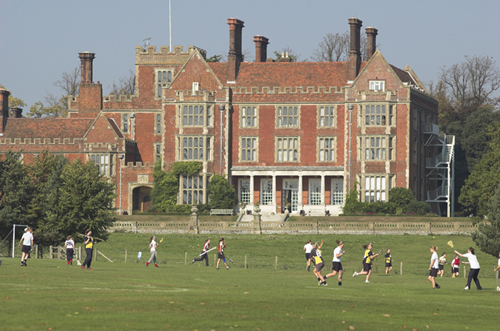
(325, 277)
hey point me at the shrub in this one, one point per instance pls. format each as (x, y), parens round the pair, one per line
(417, 207)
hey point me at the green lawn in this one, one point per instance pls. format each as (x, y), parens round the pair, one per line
(50, 295)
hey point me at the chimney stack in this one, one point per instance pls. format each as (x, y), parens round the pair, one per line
(261, 43)
(371, 41)
(354, 52)
(234, 57)
(18, 112)
(86, 59)
(4, 109)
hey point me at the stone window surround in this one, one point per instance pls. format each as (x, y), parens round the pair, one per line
(318, 144)
(390, 114)
(256, 117)
(276, 148)
(110, 166)
(209, 109)
(277, 116)
(240, 158)
(319, 126)
(125, 122)
(205, 179)
(155, 151)
(164, 85)
(389, 183)
(208, 156)
(155, 127)
(390, 151)
(375, 82)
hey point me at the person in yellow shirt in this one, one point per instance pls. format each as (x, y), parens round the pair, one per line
(319, 262)
(367, 262)
(89, 246)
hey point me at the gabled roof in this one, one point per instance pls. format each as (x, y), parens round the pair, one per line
(403, 75)
(47, 127)
(115, 127)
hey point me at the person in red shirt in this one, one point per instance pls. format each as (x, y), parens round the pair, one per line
(204, 255)
(455, 267)
(221, 256)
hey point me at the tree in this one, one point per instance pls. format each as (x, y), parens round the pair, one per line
(16, 192)
(487, 236)
(85, 201)
(125, 86)
(484, 179)
(165, 189)
(215, 58)
(54, 109)
(291, 54)
(334, 47)
(69, 82)
(221, 194)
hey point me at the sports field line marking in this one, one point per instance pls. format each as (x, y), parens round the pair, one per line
(201, 280)
(35, 288)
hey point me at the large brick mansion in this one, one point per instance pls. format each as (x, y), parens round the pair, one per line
(295, 135)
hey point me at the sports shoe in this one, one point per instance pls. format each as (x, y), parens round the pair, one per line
(227, 268)
(466, 288)
(324, 284)
(147, 264)
(319, 282)
(83, 267)
(25, 264)
(156, 265)
(437, 286)
(217, 268)
(367, 281)
(89, 268)
(340, 283)
(453, 276)
(355, 274)
(193, 261)
(308, 268)
(498, 288)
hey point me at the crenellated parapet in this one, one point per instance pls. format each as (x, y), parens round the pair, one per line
(40, 141)
(275, 90)
(138, 165)
(149, 55)
(120, 98)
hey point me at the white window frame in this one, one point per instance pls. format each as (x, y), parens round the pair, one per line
(372, 148)
(314, 192)
(337, 191)
(106, 165)
(376, 187)
(249, 120)
(206, 148)
(246, 198)
(327, 116)
(244, 149)
(330, 150)
(190, 189)
(266, 195)
(286, 121)
(294, 150)
(377, 85)
(375, 115)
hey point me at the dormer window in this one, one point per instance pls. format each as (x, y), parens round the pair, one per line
(377, 85)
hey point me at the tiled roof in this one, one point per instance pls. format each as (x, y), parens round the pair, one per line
(47, 127)
(219, 69)
(403, 75)
(292, 74)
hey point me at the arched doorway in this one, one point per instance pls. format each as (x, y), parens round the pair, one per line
(141, 199)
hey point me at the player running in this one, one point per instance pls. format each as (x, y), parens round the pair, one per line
(319, 262)
(455, 267)
(434, 267)
(474, 268)
(152, 249)
(308, 248)
(367, 262)
(442, 262)
(388, 261)
(336, 263)
(204, 253)
(221, 256)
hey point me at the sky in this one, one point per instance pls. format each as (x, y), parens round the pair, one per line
(41, 39)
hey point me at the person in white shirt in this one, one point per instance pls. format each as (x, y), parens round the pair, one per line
(496, 269)
(474, 268)
(308, 248)
(27, 240)
(152, 248)
(434, 267)
(69, 245)
(336, 263)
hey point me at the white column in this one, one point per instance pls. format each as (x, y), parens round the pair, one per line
(300, 193)
(323, 190)
(274, 191)
(251, 190)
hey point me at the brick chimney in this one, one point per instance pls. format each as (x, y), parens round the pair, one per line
(18, 112)
(4, 109)
(90, 94)
(261, 43)
(354, 52)
(234, 57)
(371, 41)
(86, 59)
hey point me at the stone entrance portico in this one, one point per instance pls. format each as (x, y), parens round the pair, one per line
(313, 190)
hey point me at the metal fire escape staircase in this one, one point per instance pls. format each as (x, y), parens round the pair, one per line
(440, 169)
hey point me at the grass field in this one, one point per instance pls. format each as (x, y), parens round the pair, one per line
(50, 295)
